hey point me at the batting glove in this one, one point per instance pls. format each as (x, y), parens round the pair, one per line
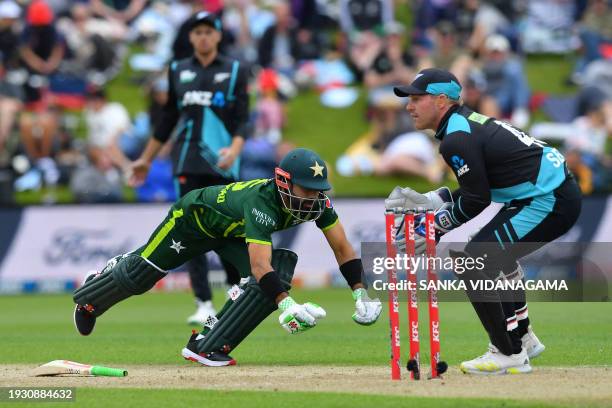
(366, 310)
(296, 318)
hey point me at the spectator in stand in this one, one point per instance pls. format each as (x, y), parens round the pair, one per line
(122, 11)
(391, 147)
(477, 20)
(430, 13)
(109, 131)
(41, 49)
(365, 15)
(475, 96)
(392, 67)
(271, 116)
(584, 140)
(362, 23)
(91, 42)
(447, 53)
(506, 80)
(595, 34)
(244, 21)
(260, 153)
(548, 27)
(11, 93)
(284, 44)
(108, 128)
(305, 13)
(465, 21)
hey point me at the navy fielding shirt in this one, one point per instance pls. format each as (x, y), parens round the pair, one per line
(207, 107)
(494, 161)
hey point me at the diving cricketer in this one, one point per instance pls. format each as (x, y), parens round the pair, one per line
(236, 221)
(493, 161)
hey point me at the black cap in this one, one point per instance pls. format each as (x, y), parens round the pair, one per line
(204, 17)
(432, 81)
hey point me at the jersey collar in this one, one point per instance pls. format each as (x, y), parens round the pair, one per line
(444, 122)
(218, 60)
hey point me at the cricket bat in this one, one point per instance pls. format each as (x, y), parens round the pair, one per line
(65, 367)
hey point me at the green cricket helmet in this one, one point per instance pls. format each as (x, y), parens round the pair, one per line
(304, 168)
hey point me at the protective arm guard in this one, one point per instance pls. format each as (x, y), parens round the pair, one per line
(241, 316)
(122, 277)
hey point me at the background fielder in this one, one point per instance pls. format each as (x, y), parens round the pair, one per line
(207, 110)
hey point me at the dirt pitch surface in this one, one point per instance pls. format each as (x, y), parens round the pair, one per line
(578, 385)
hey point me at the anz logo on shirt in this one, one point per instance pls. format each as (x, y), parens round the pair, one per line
(203, 98)
(459, 165)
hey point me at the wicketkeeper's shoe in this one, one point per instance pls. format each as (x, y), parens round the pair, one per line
(210, 359)
(204, 310)
(494, 362)
(532, 344)
(84, 320)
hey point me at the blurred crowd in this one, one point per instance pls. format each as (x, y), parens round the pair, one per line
(58, 125)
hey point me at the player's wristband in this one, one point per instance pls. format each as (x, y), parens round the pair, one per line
(352, 271)
(271, 285)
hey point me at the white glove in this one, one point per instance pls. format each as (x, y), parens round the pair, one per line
(296, 318)
(410, 199)
(366, 310)
(407, 198)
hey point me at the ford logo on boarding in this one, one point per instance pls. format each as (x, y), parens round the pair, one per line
(78, 246)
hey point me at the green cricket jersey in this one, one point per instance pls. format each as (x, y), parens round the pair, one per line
(250, 209)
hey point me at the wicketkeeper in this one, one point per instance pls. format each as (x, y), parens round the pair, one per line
(236, 221)
(493, 161)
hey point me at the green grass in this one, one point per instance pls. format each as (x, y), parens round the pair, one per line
(151, 329)
(93, 398)
(547, 73)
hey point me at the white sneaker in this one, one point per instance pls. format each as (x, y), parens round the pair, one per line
(532, 344)
(204, 310)
(493, 362)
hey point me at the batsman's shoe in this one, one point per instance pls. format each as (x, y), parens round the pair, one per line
(210, 359)
(493, 362)
(84, 320)
(204, 310)
(532, 344)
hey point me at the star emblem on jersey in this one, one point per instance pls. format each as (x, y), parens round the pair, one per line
(317, 169)
(177, 246)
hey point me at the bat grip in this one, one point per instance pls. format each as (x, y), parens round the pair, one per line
(108, 372)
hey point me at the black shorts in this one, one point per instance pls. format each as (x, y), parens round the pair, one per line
(524, 226)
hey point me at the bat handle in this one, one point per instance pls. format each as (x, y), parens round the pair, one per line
(108, 372)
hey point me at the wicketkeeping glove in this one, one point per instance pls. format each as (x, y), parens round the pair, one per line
(407, 198)
(443, 223)
(439, 200)
(296, 318)
(366, 310)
